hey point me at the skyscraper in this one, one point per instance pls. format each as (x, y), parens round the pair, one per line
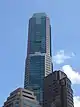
(57, 90)
(38, 61)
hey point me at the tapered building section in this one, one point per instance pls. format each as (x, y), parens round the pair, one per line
(38, 60)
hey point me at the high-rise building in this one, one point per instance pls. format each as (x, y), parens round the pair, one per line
(38, 61)
(57, 90)
(21, 98)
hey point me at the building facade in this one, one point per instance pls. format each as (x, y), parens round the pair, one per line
(21, 98)
(57, 90)
(38, 61)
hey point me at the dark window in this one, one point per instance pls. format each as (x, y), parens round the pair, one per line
(28, 97)
(27, 92)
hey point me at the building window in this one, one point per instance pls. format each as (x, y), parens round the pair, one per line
(38, 21)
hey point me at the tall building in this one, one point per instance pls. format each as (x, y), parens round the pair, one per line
(21, 98)
(57, 90)
(38, 61)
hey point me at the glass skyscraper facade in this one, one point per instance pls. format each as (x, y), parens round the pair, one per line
(38, 62)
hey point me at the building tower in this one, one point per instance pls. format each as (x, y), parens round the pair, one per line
(38, 61)
(57, 90)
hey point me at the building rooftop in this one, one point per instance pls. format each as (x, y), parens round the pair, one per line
(39, 14)
(19, 90)
(57, 75)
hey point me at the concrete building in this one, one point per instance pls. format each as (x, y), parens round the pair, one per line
(39, 57)
(57, 90)
(21, 98)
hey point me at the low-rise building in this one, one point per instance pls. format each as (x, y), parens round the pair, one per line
(21, 98)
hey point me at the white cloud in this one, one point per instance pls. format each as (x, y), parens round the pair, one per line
(60, 57)
(72, 74)
(76, 101)
(75, 79)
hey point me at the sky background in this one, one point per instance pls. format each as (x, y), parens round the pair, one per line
(14, 16)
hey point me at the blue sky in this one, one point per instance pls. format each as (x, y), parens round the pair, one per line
(14, 15)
